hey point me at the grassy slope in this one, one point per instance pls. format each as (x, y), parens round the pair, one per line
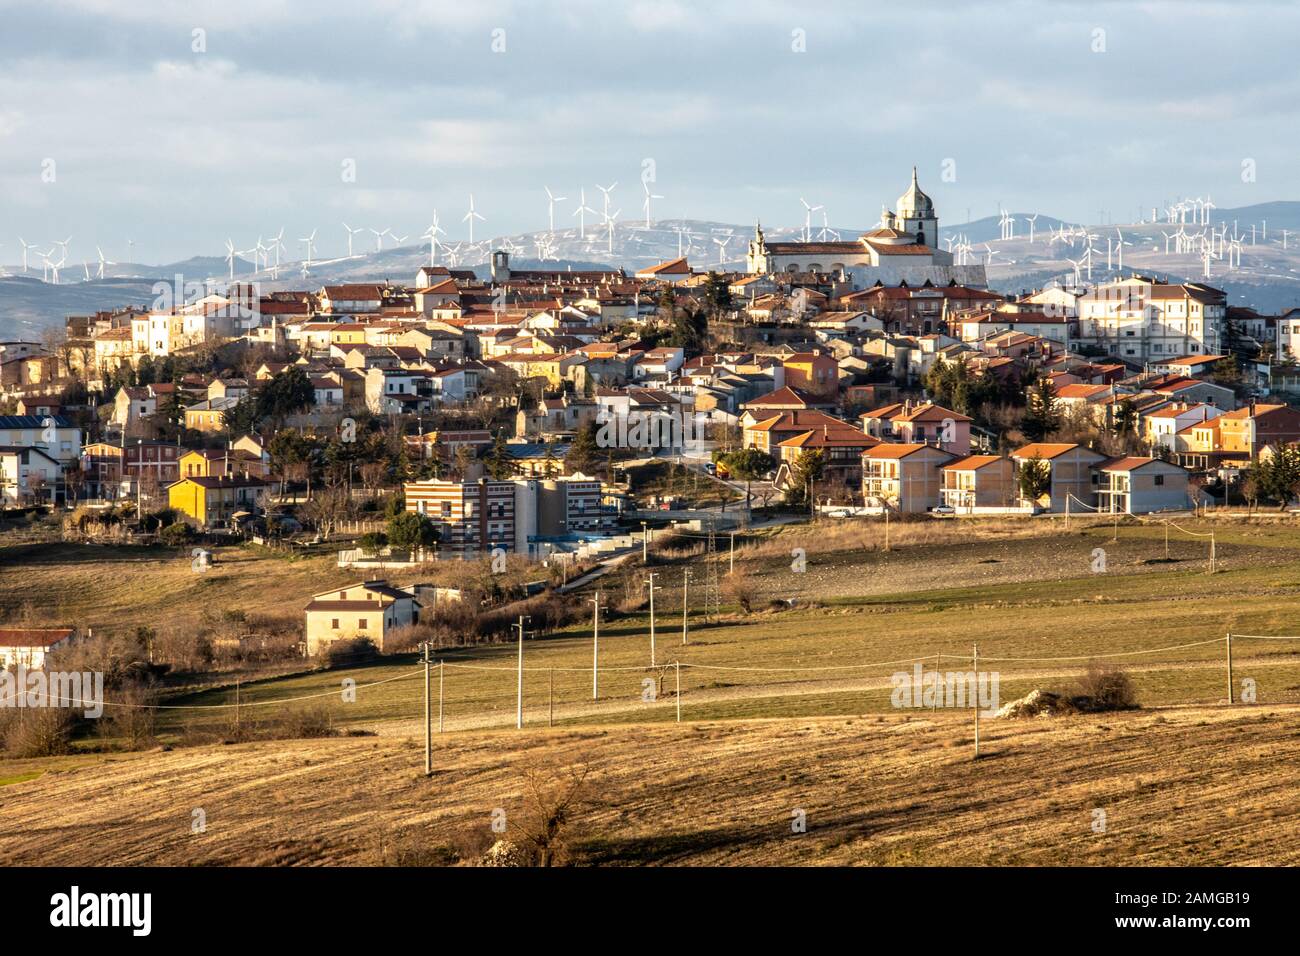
(879, 787)
(1187, 785)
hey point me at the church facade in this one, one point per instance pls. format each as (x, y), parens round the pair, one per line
(903, 248)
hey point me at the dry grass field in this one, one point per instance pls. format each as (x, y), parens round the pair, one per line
(784, 707)
(1178, 786)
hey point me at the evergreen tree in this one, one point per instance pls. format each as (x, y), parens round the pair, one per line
(1041, 417)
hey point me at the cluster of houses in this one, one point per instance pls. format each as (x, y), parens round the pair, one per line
(831, 342)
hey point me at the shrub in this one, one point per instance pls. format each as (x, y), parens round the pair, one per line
(37, 731)
(347, 652)
(372, 541)
(1106, 687)
(130, 721)
(176, 535)
(312, 721)
(740, 589)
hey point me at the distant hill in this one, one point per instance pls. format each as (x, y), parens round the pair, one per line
(1269, 278)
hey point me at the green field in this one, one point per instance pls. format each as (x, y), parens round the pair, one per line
(833, 656)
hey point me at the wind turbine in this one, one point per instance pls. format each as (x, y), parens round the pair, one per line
(470, 217)
(609, 224)
(551, 200)
(351, 233)
(308, 241)
(26, 245)
(826, 230)
(432, 235)
(379, 237)
(230, 258)
(1075, 263)
(606, 190)
(398, 240)
(646, 205)
(1031, 220)
(581, 213)
(1120, 243)
(991, 252)
(722, 248)
(102, 262)
(55, 266)
(807, 218)
(277, 244)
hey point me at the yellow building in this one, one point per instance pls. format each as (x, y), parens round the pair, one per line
(215, 462)
(371, 609)
(209, 415)
(207, 500)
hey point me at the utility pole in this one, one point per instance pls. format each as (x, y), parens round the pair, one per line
(519, 694)
(595, 648)
(428, 721)
(440, 675)
(645, 544)
(1230, 689)
(731, 561)
(976, 660)
(679, 690)
(686, 583)
(651, 581)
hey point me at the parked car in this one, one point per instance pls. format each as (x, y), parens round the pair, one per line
(943, 510)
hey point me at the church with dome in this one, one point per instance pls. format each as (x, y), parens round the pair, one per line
(903, 248)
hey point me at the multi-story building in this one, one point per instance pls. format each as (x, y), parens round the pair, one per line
(904, 477)
(979, 481)
(518, 516)
(1071, 479)
(55, 435)
(472, 517)
(111, 470)
(1142, 320)
(370, 610)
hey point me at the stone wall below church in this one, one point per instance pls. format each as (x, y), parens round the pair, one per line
(892, 274)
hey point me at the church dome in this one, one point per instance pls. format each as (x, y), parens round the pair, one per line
(915, 204)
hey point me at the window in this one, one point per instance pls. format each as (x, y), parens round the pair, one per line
(335, 623)
(1160, 480)
(361, 624)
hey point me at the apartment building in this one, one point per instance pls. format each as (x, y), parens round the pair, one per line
(1142, 320)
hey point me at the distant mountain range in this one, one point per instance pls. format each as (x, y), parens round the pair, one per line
(1269, 277)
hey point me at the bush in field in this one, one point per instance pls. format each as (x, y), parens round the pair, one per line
(740, 590)
(129, 721)
(36, 731)
(314, 720)
(1105, 687)
(176, 535)
(347, 652)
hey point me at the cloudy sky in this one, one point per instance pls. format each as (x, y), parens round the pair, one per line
(178, 139)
